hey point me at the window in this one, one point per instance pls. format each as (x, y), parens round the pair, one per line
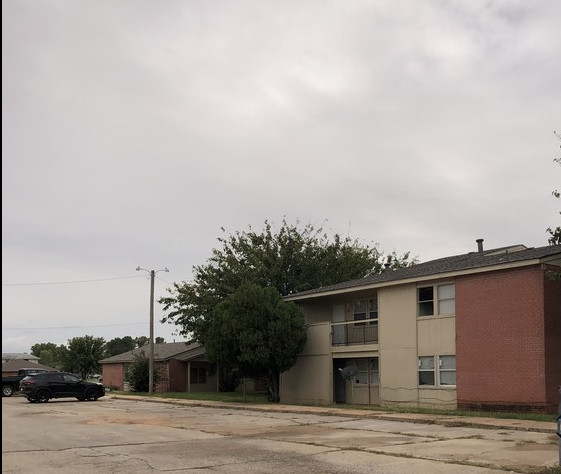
(198, 375)
(447, 375)
(359, 310)
(366, 309)
(367, 371)
(446, 370)
(68, 378)
(426, 301)
(374, 372)
(426, 370)
(362, 372)
(445, 299)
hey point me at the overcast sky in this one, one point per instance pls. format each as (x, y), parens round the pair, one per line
(132, 131)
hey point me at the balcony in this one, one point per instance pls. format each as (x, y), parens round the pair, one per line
(351, 333)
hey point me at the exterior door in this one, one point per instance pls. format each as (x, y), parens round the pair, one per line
(339, 383)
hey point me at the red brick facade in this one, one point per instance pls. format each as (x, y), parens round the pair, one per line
(508, 340)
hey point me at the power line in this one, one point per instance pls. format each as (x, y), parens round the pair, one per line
(71, 281)
(73, 327)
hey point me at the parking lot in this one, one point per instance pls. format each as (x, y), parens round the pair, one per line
(117, 435)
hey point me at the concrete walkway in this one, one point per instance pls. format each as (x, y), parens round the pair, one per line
(444, 420)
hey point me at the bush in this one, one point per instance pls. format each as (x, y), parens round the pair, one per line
(138, 374)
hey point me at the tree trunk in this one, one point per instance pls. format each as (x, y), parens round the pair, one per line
(273, 379)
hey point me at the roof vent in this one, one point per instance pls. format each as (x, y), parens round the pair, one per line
(388, 263)
(479, 245)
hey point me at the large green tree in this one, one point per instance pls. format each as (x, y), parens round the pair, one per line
(257, 332)
(50, 354)
(291, 259)
(119, 345)
(84, 354)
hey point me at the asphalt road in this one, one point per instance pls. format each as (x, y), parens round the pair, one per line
(129, 436)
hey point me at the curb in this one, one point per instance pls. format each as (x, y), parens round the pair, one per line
(442, 420)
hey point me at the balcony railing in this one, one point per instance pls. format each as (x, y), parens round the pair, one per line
(351, 332)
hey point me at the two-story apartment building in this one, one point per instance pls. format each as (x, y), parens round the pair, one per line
(473, 331)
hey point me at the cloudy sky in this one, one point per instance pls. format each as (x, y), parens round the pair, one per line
(132, 131)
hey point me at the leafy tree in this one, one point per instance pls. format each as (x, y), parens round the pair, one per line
(555, 233)
(119, 345)
(141, 341)
(50, 354)
(292, 259)
(84, 354)
(138, 373)
(259, 333)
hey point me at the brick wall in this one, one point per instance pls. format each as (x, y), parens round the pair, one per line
(553, 339)
(113, 376)
(500, 344)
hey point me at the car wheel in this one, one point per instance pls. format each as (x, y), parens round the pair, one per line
(42, 396)
(7, 390)
(92, 395)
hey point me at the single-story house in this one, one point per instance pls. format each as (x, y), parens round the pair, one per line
(11, 367)
(7, 356)
(182, 367)
(480, 330)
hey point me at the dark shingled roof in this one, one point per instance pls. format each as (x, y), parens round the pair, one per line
(457, 263)
(161, 352)
(15, 364)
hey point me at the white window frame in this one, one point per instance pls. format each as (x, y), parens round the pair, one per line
(438, 299)
(365, 372)
(370, 313)
(438, 370)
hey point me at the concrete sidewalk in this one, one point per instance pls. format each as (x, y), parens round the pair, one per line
(444, 420)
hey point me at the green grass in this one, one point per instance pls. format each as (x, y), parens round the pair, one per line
(233, 397)
(261, 397)
(449, 412)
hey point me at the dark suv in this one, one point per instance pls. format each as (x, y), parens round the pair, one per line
(42, 387)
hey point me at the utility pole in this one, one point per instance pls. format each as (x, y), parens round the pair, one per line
(151, 342)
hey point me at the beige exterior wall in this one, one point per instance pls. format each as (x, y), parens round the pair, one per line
(317, 312)
(398, 344)
(402, 339)
(310, 380)
(436, 335)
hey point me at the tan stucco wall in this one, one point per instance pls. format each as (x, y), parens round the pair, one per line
(310, 380)
(436, 335)
(398, 343)
(317, 312)
(402, 338)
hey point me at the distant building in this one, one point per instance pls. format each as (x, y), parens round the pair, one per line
(11, 367)
(182, 367)
(6, 356)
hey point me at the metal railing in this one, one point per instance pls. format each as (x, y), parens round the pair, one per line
(352, 332)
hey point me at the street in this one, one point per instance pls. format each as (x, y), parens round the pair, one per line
(116, 435)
